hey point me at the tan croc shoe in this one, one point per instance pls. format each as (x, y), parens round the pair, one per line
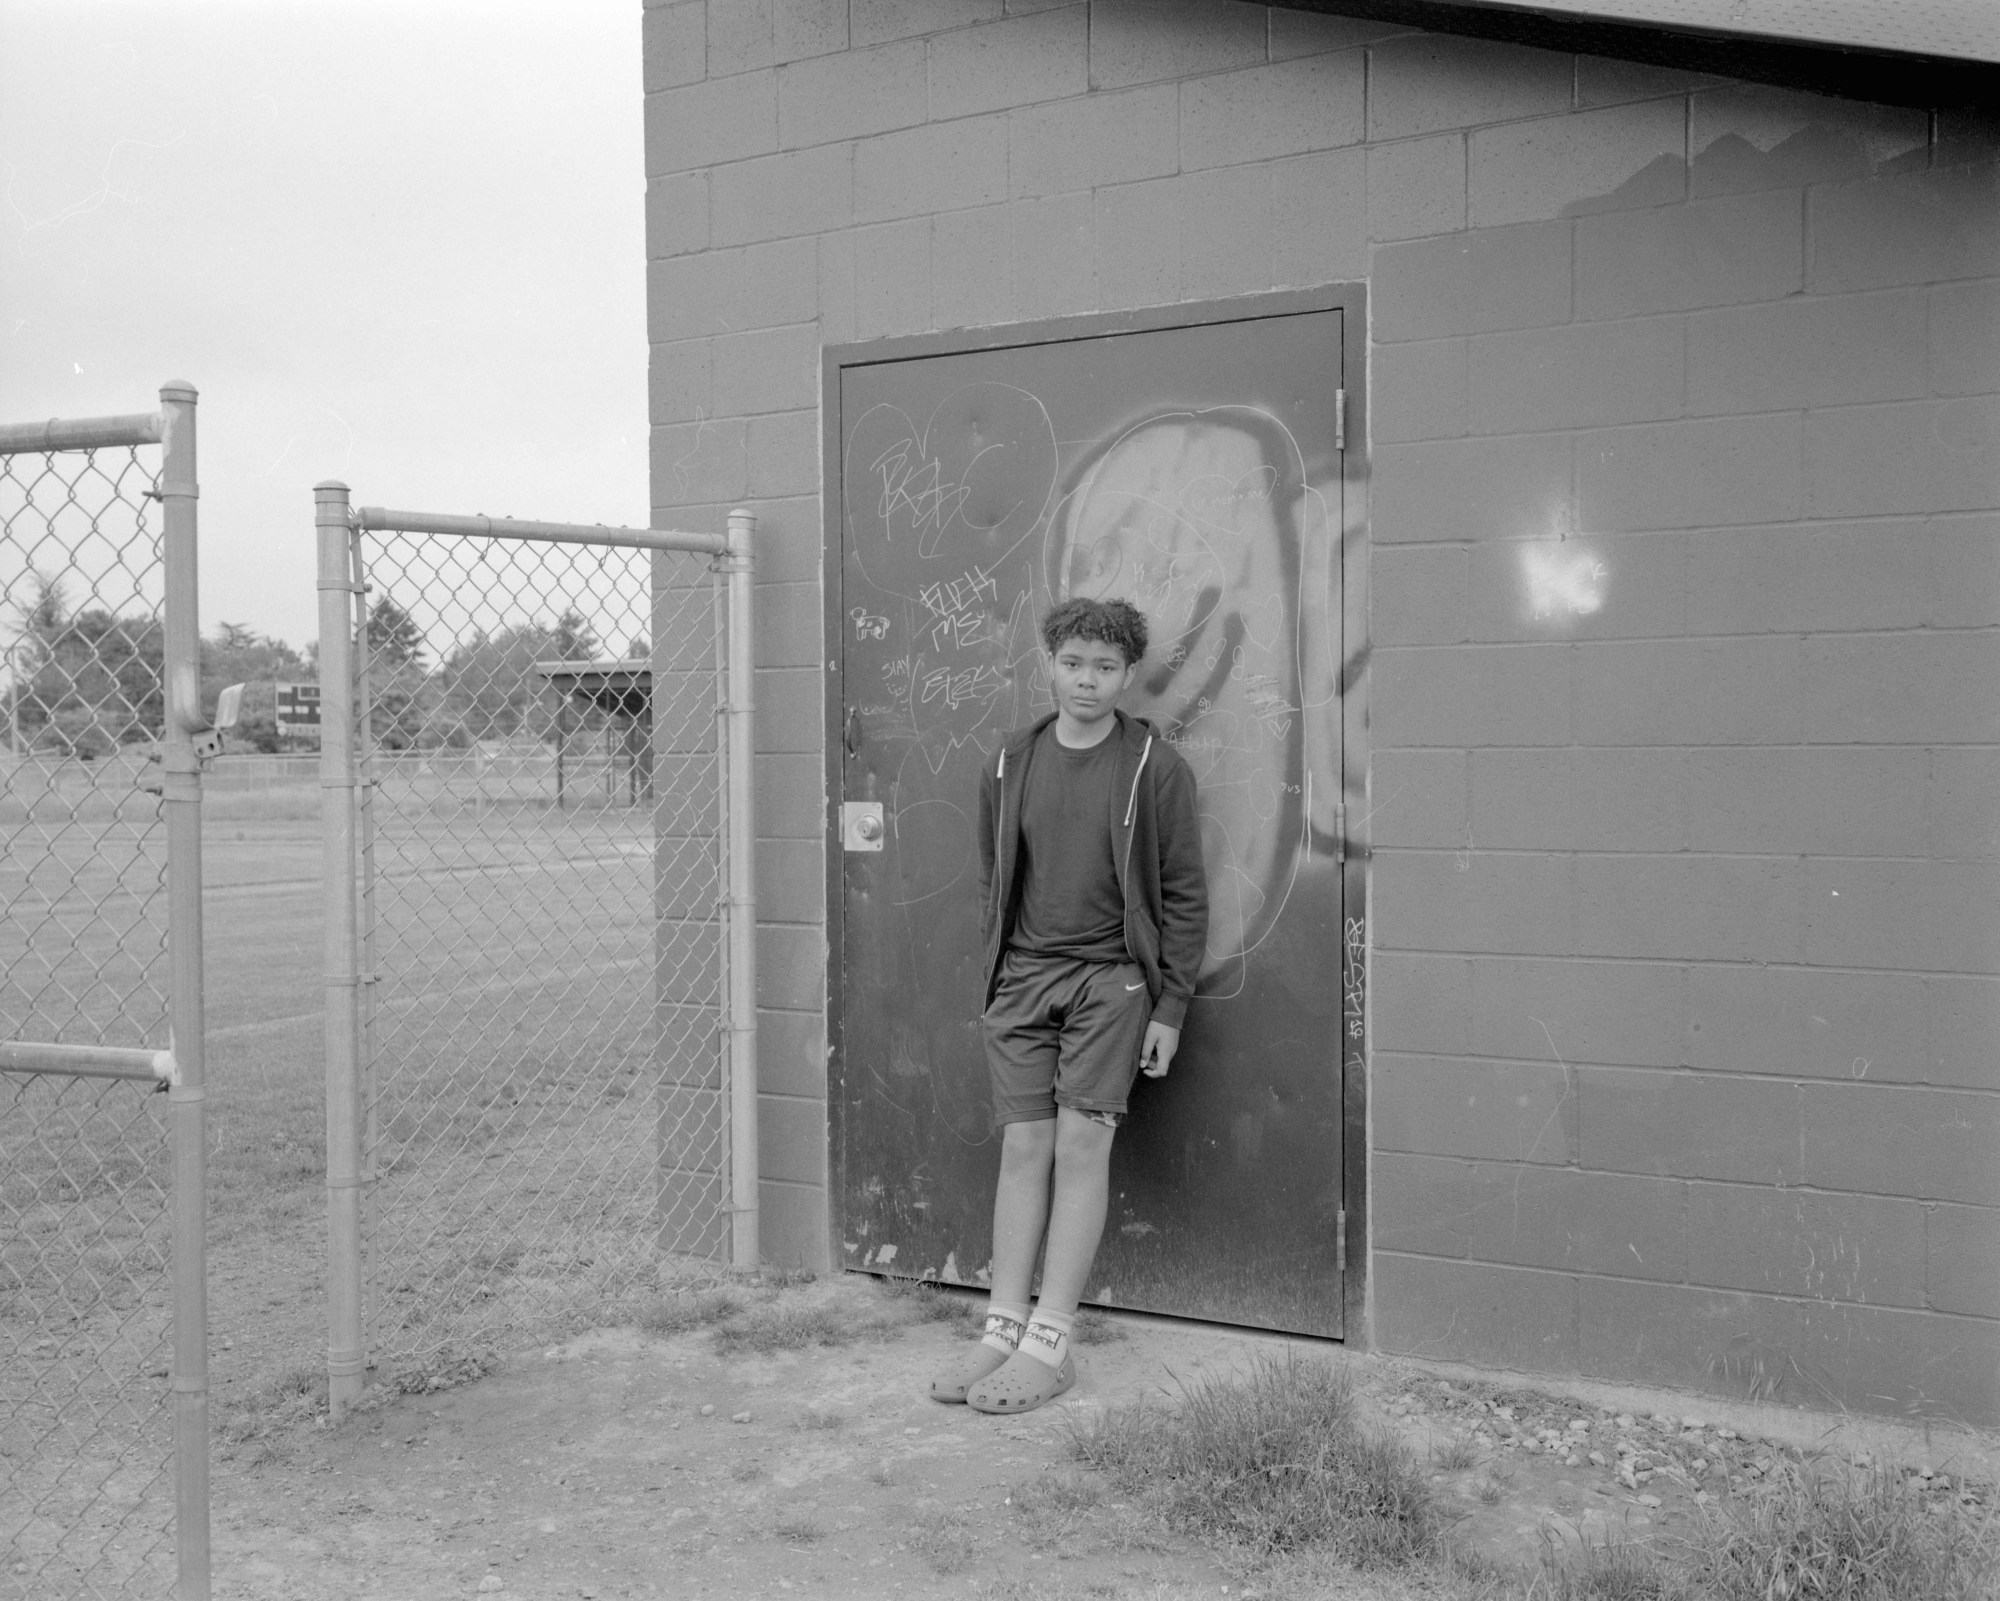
(1021, 1384)
(950, 1386)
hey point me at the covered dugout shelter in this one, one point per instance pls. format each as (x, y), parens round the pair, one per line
(1559, 449)
(623, 692)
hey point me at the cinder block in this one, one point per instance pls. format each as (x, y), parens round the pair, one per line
(1423, 82)
(1966, 555)
(1824, 800)
(1964, 806)
(1578, 800)
(690, 1122)
(1813, 577)
(1139, 244)
(1475, 1312)
(768, 369)
(1754, 136)
(1416, 595)
(699, 124)
(801, 28)
(791, 1139)
(792, 1227)
(1420, 1003)
(1965, 337)
(1416, 797)
(685, 953)
(1419, 1203)
(1709, 473)
(1500, 1111)
(1801, 1022)
(1962, 1260)
(1579, 1222)
(1934, 916)
(1416, 187)
(1228, 246)
(1449, 489)
(787, 622)
(677, 381)
(892, 273)
(1583, 375)
(1908, 229)
(1789, 1242)
(1900, 1139)
(1473, 283)
(1055, 271)
(972, 268)
(688, 296)
(1094, 140)
(676, 214)
(723, 291)
(1016, 62)
(784, 453)
(787, 540)
(1689, 692)
(791, 718)
(1318, 217)
(791, 1047)
(674, 45)
(739, 37)
(1919, 455)
(698, 462)
(1476, 901)
(1309, 33)
(1630, 586)
(1689, 908)
(1962, 1044)
(1831, 351)
(1264, 112)
(1690, 1125)
(834, 287)
(879, 21)
(773, 197)
(1149, 41)
(1614, 159)
(1720, 252)
(1417, 391)
(791, 800)
(791, 966)
(1600, 81)
(1568, 1011)
(939, 167)
(1892, 689)
(850, 95)
(1467, 695)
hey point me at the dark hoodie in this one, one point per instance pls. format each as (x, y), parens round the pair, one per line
(1155, 842)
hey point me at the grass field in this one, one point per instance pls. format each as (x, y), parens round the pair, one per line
(546, 1141)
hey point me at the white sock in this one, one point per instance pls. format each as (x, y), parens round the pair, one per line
(1004, 1326)
(1047, 1336)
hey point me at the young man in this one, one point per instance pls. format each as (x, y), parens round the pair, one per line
(1094, 908)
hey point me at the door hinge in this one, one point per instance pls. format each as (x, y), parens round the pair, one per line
(1340, 419)
(1340, 831)
(1340, 1241)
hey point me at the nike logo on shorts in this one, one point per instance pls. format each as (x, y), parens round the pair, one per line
(1129, 988)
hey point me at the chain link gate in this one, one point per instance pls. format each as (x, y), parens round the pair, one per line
(103, 1362)
(540, 1004)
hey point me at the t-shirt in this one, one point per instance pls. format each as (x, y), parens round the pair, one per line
(1070, 901)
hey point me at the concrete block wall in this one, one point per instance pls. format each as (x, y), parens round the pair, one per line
(1685, 580)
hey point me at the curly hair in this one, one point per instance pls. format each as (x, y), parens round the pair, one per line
(1117, 623)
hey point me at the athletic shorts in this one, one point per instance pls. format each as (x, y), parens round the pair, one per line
(1063, 1032)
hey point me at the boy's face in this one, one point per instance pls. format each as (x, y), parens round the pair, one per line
(1088, 677)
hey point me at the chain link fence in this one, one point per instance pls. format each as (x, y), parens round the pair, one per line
(88, 1297)
(541, 900)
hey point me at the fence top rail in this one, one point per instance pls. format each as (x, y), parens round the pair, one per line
(81, 433)
(380, 519)
(88, 1061)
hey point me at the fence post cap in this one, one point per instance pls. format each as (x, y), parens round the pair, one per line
(329, 486)
(177, 389)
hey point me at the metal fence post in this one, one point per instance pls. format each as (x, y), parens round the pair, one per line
(740, 894)
(364, 798)
(181, 790)
(346, 1353)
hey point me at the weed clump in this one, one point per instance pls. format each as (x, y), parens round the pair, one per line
(677, 1314)
(765, 1329)
(1277, 1462)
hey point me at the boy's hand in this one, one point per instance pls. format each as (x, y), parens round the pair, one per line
(1157, 1054)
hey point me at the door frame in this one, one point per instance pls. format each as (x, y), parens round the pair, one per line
(1351, 300)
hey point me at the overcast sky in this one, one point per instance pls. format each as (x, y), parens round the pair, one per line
(397, 242)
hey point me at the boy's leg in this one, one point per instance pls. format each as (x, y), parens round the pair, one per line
(1020, 1211)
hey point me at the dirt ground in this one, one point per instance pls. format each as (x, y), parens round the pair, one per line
(619, 1464)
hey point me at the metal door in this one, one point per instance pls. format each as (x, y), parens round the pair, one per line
(1196, 471)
